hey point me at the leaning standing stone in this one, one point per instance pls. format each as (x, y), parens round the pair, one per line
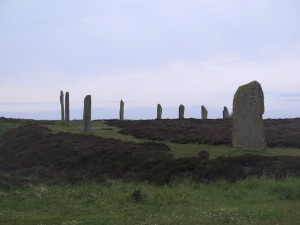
(159, 111)
(87, 113)
(67, 109)
(181, 112)
(121, 110)
(62, 107)
(226, 114)
(248, 108)
(204, 113)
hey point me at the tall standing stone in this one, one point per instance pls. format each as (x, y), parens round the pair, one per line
(87, 113)
(248, 108)
(226, 114)
(181, 112)
(204, 113)
(67, 109)
(121, 110)
(159, 111)
(62, 107)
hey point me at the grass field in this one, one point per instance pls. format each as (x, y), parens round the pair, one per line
(250, 201)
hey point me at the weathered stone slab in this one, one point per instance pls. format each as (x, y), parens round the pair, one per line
(226, 114)
(62, 107)
(204, 113)
(248, 108)
(159, 111)
(67, 109)
(87, 113)
(121, 110)
(181, 112)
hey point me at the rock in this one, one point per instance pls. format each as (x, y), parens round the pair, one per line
(159, 111)
(62, 107)
(87, 113)
(67, 109)
(121, 110)
(226, 114)
(181, 112)
(204, 113)
(248, 108)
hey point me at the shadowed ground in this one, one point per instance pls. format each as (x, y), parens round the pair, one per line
(34, 153)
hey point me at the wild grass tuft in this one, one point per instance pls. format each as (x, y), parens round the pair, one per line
(251, 201)
(138, 196)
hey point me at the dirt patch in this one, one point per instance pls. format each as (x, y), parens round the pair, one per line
(33, 153)
(279, 132)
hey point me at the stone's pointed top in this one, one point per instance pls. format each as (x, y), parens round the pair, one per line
(253, 84)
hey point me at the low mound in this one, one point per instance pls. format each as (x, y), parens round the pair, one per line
(279, 132)
(33, 153)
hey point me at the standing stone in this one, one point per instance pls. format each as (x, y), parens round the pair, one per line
(121, 110)
(181, 112)
(62, 107)
(87, 113)
(226, 114)
(67, 109)
(248, 108)
(159, 111)
(204, 113)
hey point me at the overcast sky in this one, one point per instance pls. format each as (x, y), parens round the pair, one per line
(172, 52)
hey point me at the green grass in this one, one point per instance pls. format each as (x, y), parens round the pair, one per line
(76, 127)
(6, 126)
(178, 150)
(252, 201)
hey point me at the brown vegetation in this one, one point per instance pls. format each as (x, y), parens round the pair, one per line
(279, 132)
(33, 153)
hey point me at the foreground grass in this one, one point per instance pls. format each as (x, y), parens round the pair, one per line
(252, 201)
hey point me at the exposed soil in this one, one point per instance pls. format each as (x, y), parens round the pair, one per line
(279, 132)
(33, 153)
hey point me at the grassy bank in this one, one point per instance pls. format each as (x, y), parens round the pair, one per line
(251, 201)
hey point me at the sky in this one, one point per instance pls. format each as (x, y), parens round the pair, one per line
(172, 52)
